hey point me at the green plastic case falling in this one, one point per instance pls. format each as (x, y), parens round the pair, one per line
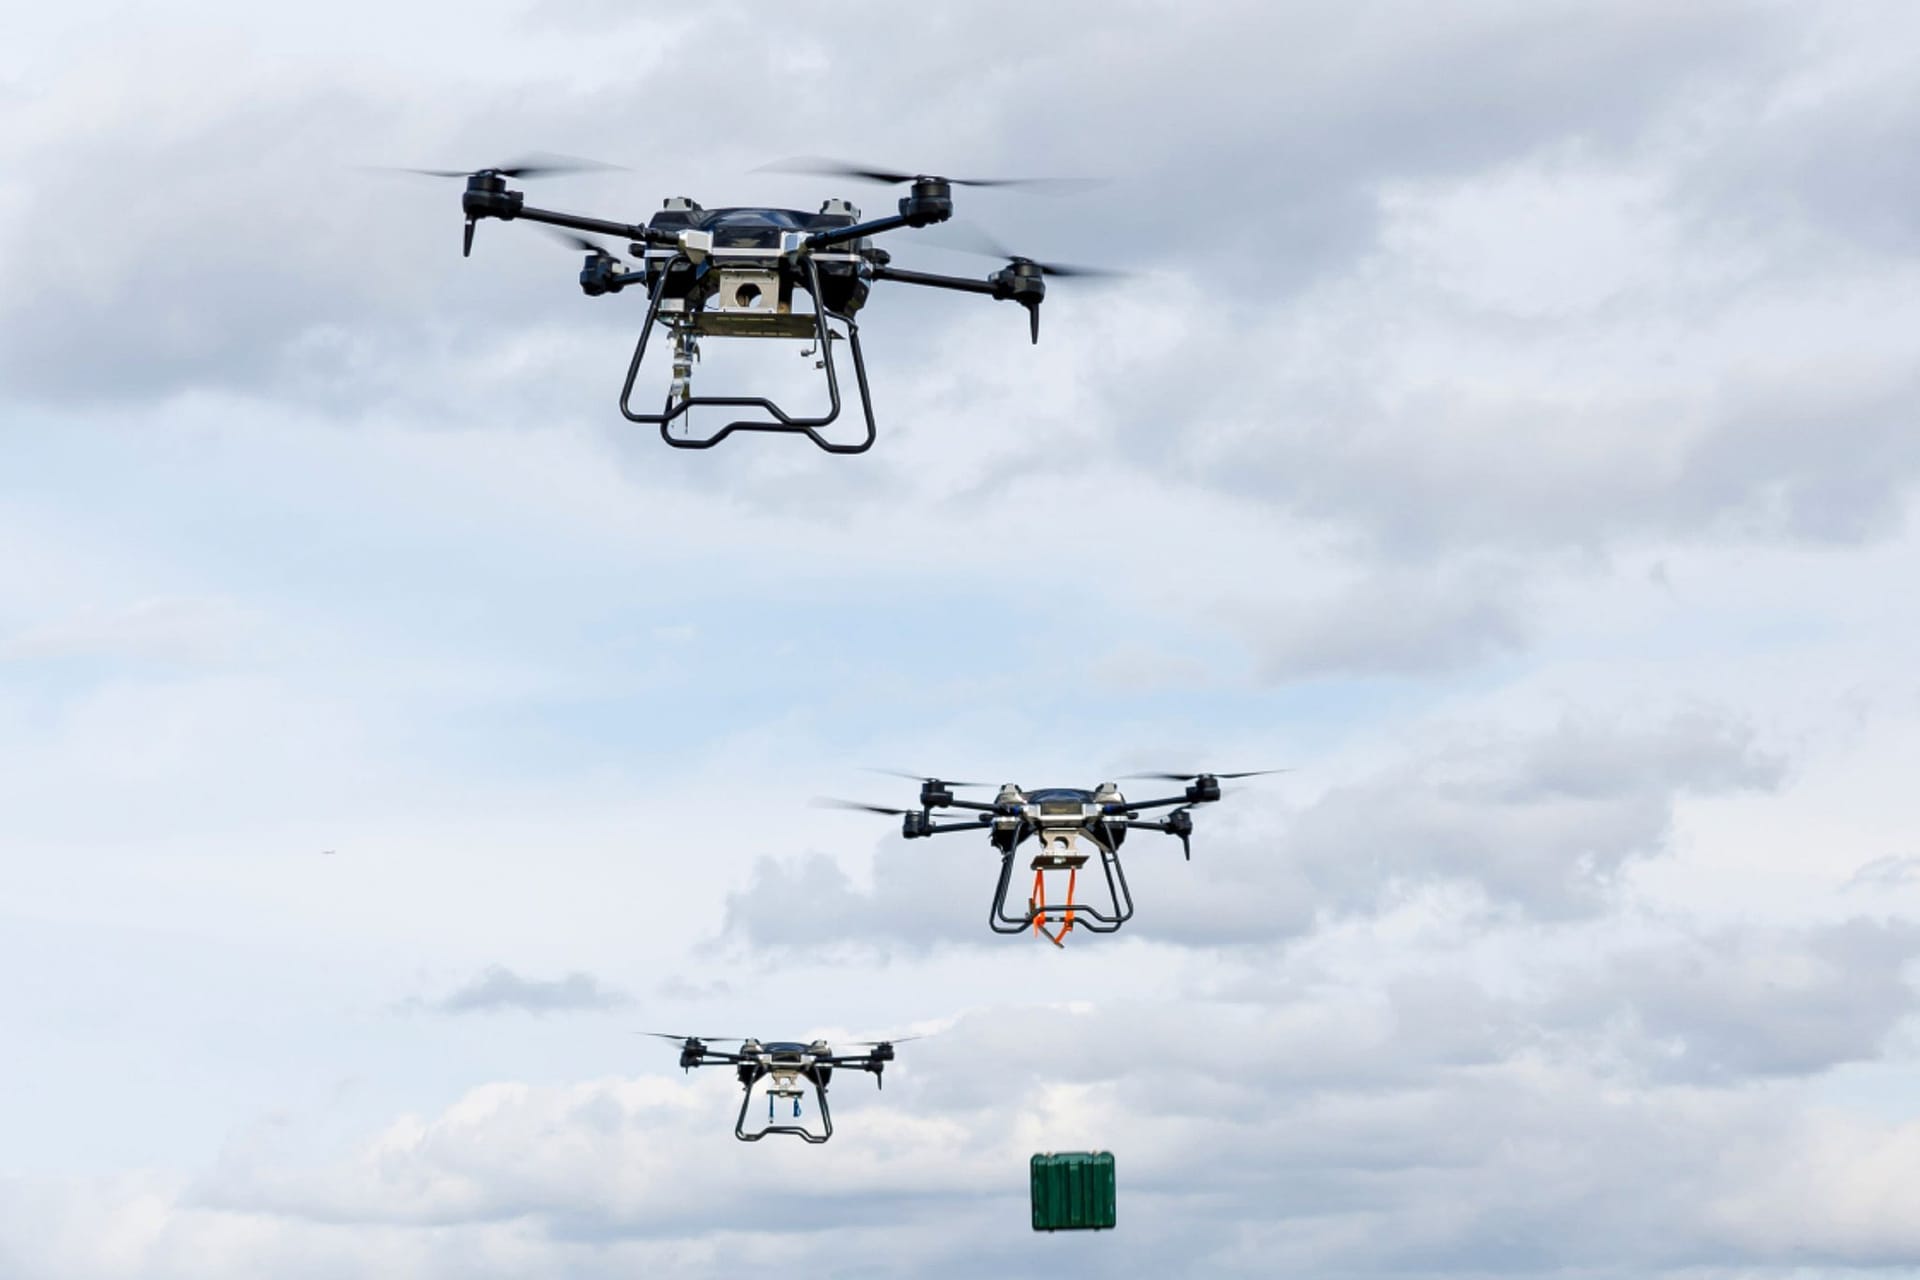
(1073, 1191)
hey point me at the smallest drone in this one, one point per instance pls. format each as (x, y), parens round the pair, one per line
(1056, 820)
(792, 1067)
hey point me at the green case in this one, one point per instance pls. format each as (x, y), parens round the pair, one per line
(1073, 1191)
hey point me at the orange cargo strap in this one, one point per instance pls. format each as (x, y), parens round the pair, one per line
(1037, 904)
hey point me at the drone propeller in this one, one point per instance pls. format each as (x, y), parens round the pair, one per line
(491, 178)
(1195, 777)
(894, 177)
(662, 1035)
(581, 242)
(875, 1044)
(831, 802)
(540, 165)
(966, 238)
(920, 777)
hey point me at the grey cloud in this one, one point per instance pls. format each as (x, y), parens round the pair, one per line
(498, 989)
(1545, 825)
(1741, 1003)
(1832, 163)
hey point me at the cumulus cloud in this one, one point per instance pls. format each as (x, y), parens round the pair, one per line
(1748, 1002)
(1545, 824)
(1467, 1119)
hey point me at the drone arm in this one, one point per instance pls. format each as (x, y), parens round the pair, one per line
(978, 806)
(860, 1062)
(601, 226)
(716, 1058)
(1133, 806)
(958, 283)
(1178, 823)
(840, 235)
(941, 828)
(1021, 282)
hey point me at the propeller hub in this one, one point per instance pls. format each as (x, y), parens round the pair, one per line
(1205, 789)
(930, 201)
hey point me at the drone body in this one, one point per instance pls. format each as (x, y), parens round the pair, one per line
(1056, 820)
(790, 1067)
(757, 273)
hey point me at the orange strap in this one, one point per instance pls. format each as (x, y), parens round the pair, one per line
(1037, 905)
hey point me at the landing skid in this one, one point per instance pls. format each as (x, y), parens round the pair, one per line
(781, 421)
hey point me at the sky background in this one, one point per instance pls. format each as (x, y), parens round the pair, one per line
(1508, 427)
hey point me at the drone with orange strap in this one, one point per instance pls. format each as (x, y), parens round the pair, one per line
(1057, 819)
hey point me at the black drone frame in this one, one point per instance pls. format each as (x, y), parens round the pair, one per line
(782, 420)
(753, 1067)
(683, 258)
(798, 1131)
(1010, 827)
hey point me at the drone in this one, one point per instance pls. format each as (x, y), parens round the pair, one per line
(1057, 819)
(791, 1065)
(735, 273)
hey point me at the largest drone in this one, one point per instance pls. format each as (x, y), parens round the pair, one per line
(734, 272)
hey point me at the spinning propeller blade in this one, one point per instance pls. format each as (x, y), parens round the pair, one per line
(662, 1035)
(893, 177)
(1193, 777)
(966, 238)
(921, 777)
(580, 242)
(830, 802)
(539, 165)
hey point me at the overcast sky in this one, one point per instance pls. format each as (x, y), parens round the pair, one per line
(1508, 425)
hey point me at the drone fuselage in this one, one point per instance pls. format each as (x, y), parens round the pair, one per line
(1058, 817)
(733, 272)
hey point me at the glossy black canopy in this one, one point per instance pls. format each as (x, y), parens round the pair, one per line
(1060, 795)
(745, 228)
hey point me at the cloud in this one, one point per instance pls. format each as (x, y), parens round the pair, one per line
(497, 989)
(1545, 824)
(1749, 1002)
(1247, 1137)
(1885, 874)
(1394, 622)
